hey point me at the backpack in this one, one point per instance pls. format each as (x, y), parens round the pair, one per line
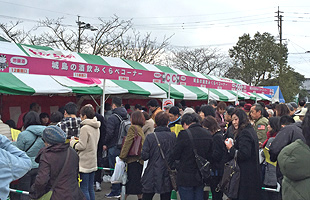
(123, 129)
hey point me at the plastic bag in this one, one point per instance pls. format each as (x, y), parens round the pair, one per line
(118, 171)
(144, 166)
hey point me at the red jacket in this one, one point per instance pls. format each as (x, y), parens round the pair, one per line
(269, 136)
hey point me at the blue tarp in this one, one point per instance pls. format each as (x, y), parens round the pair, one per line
(277, 94)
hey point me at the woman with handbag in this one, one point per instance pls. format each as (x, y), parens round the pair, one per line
(58, 168)
(218, 155)
(156, 178)
(246, 149)
(131, 154)
(189, 179)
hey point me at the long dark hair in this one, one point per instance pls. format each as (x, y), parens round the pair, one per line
(243, 119)
(274, 123)
(306, 127)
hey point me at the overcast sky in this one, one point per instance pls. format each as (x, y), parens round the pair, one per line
(193, 23)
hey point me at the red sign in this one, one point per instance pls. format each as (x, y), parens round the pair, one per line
(42, 66)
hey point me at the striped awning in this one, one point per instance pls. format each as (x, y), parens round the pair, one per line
(44, 84)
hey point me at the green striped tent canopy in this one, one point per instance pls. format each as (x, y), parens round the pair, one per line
(27, 84)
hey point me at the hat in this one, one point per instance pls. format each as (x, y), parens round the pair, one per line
(294, 104)
(54, 135)
(303, 112)
(168, 106)
(247, 107)
(188, 110)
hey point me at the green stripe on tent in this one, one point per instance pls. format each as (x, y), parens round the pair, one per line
(134, 64)
(174, 94)
(165, 69)
(87, 90)
(208, 77)
(221, 96)
(188, 73)
(132, 87)
(93, 59)
(38, 47)
(258, 96)
(9, 84)
(235, 81)
(20, 46)
(201, 95)
(235, 94)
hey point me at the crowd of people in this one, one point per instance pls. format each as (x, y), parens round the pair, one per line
(62, 152)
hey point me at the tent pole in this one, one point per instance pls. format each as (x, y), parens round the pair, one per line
(102, 98)
(169, 90)
(237, 97)
(208, 100)
(255, 99)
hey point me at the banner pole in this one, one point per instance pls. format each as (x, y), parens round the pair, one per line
(102, 98)
(169, 90)
(208, 100)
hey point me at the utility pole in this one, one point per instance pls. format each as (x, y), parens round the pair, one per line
(281, 65)
(82, 25)
(79, 34)
(279, 20)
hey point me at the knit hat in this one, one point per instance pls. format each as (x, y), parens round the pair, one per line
(54, 135)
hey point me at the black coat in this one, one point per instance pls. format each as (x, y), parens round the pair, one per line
(102, 129)
(155, 178)
(188, 172)
(246, 142)
(113, 124)
(219, 152)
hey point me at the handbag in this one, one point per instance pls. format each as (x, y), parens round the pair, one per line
(202, 163)
(172, 173)
(136, 146)
(48, 195)
(229, 184)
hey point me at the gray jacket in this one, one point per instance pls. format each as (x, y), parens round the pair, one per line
(286, 136)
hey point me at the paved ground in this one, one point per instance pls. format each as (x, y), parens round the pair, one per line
(106, 189)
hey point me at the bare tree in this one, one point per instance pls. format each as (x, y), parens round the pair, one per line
(113, 37)
(13, 33)
(205, 60)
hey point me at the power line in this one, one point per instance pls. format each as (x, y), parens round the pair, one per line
(198, 27)
(197, 22)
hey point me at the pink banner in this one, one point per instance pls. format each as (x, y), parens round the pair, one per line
(31, 65)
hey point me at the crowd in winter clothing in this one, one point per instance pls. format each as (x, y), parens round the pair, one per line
(269, 142)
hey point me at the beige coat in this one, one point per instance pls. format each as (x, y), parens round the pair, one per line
(148, 127)
(128, 142)
(5, 130)
(87, 145)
